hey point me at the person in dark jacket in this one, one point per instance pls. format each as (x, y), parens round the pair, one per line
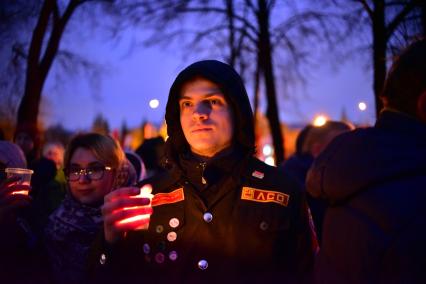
(219, 214)
(374, 181)
(21, 253)
(309, 144)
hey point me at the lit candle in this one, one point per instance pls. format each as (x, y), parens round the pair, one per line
(145, 192)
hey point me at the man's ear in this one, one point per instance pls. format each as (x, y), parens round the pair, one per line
(421, 107)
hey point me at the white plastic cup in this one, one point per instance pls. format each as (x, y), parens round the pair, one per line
(144, 193)
(24, 177)
(23, 174)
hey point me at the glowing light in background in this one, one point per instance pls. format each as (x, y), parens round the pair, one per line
(267, 150)
(319, 120)
(154, 103)
(362, 106)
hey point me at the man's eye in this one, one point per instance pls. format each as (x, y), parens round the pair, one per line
(186, 104)
(214, 102)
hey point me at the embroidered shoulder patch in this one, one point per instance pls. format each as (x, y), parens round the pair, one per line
(260, 195)
(167, 198)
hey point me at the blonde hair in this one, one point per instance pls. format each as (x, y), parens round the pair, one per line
(105, 149)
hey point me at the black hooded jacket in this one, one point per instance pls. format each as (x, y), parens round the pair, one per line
(375, 182)
(231, 218)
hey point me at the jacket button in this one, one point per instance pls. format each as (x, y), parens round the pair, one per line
(146, 248)
(159, 258)
(203, 264)
(161, 246)
(208, 217)
(264, 226)
(174, 222)
(173, 255)
(102, 259)
(171, 237)
(159, 229)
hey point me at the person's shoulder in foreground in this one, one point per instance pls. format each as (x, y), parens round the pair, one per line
(374, 181)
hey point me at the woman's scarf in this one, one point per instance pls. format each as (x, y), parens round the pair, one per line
(69, 234)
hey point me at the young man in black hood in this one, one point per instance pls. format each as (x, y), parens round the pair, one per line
(219, 214)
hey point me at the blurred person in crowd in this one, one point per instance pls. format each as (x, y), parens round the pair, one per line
(152, 152)
(47, 193)
(374, 181)
(21, 260)
(219, 213)
(48, 185)
(309, 144)
(55, 152)
(95, 165)
(137, 165)
(27, 136)
(299, 163)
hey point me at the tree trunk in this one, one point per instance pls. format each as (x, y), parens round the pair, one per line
(265, 59)
(38, 64)
(231, 28)
(379, 51)
(423, 11)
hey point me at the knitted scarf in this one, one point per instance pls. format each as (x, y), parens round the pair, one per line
(69, 234)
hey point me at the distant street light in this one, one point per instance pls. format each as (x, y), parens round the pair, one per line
(362, 106)
(154, 103)
(319, 120)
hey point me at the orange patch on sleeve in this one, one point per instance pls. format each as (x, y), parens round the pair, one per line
(167, 198)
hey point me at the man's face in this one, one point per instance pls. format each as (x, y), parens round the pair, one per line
(206, 117)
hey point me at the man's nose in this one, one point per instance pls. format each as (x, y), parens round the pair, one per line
(201, 111)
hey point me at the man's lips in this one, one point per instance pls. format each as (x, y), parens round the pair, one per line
(201, 129)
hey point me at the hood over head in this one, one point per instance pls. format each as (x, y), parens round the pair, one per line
(11, 155)
(234, 91)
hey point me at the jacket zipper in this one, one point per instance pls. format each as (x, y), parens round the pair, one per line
(203, 167)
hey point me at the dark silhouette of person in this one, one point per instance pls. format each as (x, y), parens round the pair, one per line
(309, 144)
(152, 152)
(374, 181)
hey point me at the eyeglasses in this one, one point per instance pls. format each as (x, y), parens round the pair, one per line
(93, 173)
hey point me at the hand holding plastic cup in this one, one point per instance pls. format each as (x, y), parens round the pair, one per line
(145, 192)
(23, 177)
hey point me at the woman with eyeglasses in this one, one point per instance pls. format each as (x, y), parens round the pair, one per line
(94, 165)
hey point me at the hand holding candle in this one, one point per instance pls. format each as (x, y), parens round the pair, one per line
(11, 198)
(126, 209)
(145, 192)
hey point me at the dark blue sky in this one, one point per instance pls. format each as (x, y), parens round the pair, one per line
(130, 79)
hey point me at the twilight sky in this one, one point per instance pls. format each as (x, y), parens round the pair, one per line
(131, 78)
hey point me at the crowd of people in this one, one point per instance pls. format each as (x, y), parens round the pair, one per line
(346, 207)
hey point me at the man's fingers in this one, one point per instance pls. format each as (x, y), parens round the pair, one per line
(122, 203)
(121, 192)
(130, 215)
